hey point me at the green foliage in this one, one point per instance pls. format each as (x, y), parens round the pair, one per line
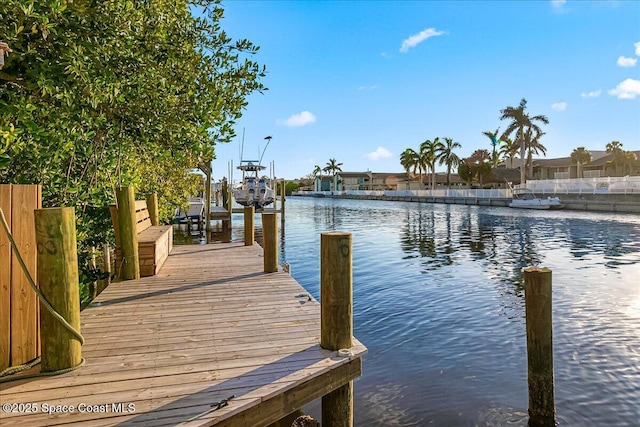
(96, 95)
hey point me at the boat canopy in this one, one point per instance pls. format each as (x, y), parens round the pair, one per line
(251, 167)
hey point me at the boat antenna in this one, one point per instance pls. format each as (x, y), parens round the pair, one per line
(268, 138)
(242, 146)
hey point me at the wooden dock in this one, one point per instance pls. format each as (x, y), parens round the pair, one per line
(163, 350)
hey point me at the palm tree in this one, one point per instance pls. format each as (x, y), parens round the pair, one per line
(630, 159)
(509, 149)
(332, 167)
(317, 170)
(410, 160)
(615, 148)
(429, 152)
(534, 146)
(447, 157)
(580, 156)
(495, 141)
(520, 123)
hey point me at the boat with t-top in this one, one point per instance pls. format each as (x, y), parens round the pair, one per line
(252, 190)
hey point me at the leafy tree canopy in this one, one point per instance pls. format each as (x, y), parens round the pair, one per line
(98, 94)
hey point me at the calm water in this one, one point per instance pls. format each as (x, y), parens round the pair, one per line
(439, 302)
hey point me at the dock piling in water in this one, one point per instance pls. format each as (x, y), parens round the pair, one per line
(58, 281)
(537, 291)
(336, 318)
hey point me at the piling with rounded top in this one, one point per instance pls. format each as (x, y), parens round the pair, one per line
(58, 281)
(270, 241)
(249, 235)
(152, 207)
(537, 291)
(336, 318)
(128, 233)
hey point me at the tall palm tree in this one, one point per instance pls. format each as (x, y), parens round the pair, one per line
(534, 147)
(509, 149)
(520, 123)
(429, 152)
(495, 141)
(410, 160)
(446, 156)
(317, 171)
(615, 148)
(580, 156)
(333, 167)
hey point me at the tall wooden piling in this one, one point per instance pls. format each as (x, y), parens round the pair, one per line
(270, 241)
(336, 318)
(282, 200)
(152, 206)
(537, 290)
(128, 233)
(249, 234)
(58, 280)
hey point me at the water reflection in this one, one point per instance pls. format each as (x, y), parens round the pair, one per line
(438, 300)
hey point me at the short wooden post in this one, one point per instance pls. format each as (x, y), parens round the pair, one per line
(128, 233)
(270, 241)
(249, 237)
(152, 206)
(58, 281)
(336, 318)
(537, 291)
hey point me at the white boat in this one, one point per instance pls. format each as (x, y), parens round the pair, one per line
(253, 190)
(195, 212)
(526, 199)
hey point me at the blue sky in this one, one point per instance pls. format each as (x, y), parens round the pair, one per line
(361, 81)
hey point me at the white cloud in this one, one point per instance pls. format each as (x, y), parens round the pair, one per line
(372, 87)
(623, 61)
(558, 6)
(559, 106)
(628, 89)
(637, 46)
(301, 119)
(593, 94)
(380, 153)
(416, 39)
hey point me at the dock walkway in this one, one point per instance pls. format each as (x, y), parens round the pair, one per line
(163, 350)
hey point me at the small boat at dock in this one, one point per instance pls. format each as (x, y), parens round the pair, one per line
(252, 190)
(526, 199)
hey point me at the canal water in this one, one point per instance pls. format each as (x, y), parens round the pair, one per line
(439, 302)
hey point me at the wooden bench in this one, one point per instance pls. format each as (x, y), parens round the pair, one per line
(154, 242)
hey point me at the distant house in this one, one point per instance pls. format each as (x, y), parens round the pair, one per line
(563, 167)
(393, 181)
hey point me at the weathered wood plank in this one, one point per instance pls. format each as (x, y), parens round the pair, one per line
(5, 280)
(24, 304)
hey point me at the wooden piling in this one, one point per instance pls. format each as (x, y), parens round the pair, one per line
(270, 241)
(537, 290)
(152, 206)
(282, 200)
(58, 281)
(128, 233)
(249, 235)
(336, 318)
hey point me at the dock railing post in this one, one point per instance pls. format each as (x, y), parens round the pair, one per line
(537, 291)
(152, 206)
(336, 318)
(128, 233)
(249, 237)
(57, 274)
(270, 241)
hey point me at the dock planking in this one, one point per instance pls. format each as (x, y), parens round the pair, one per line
(209, 326)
